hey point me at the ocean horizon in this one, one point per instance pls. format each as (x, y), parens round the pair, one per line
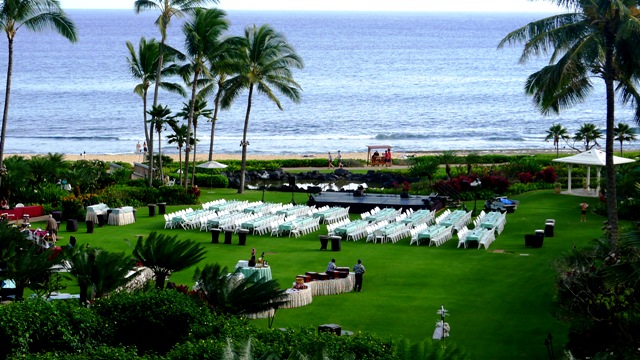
(415, 81)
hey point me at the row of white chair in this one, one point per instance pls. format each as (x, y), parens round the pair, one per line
(310, 224)
(359, 232)
(442, 216)
(338, 215)
(371, 229)
(442, 237)
(417, 230)
(332, 226)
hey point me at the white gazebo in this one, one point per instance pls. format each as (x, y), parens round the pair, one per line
(590, 158)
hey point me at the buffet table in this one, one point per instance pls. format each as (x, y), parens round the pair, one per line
(263, 272)
(297, 298)
(121, 216)
(94, 210)
(332, 287)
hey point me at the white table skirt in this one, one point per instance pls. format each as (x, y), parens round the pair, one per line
(260, 315)
(298, 298)
(121, 219)
(332, 287)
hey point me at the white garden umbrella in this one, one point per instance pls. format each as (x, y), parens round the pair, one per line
(211, 165)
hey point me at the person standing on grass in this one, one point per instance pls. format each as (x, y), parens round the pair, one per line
(332, 265)
(583, 214)
(339, 159)
(359, 270)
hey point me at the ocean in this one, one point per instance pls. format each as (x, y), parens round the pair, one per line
(414, 81)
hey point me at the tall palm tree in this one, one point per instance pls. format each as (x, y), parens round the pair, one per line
(35, 15)
(556, 133)
(160, 118)
(199, 109)
(265, 65)
(179, 137)
(623, 132)
(223, 62)
(202, 33)
(447, 158)
(233, 296)
(597, 39)
(588, 134)
(164, 255)
(143, 65)
(168, 9)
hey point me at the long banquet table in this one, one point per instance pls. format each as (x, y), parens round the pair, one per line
(333, 286)
(122, 216)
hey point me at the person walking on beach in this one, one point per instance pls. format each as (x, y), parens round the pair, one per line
(144, 147)
(359, 270)
(330, 160)
(583, 214)
(138, 150)
(339, 159)
(387, 158)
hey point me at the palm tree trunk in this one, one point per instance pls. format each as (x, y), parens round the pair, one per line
(243, 166)
(216, 106)
(160, 280)
(155, 103)
(5, 114)
(612, 209)
(83, 295)
(160, 154)
(189, 124)
(180, 159)
(144, 108)
(195, 143)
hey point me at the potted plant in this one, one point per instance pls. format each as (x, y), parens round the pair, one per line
(405, 190)
(558, 187)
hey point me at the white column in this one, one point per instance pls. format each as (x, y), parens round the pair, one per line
(598, 186)
(588, 177)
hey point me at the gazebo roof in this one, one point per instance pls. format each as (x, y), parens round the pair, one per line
(593, 157)
(379, 147)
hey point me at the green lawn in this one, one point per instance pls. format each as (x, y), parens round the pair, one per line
(501, 304)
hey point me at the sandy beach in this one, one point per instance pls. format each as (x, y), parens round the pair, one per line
(131, 158)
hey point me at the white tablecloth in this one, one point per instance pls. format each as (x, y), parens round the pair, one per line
(332, 287)
(120, 219)
(263, 272)
(298, 298)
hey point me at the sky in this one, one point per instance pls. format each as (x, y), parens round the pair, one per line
(350, 5)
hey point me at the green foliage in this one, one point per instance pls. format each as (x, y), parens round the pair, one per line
(231, 295)
(429, 349)
(214, 181)
(164, 254)
(36, 325)
(150, 321)
(424, 166)
(519, 188)
(139, 196)
(175, 195)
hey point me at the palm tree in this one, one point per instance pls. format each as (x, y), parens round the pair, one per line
(202, 34)
(35, 15)
(265, 65)
(224, 62)
(167, 9)
(179, 137)
(588, 134)
(557, 132)
(99, 271)
(160, 118)
(199, 109)
(143, 66)
(26, 263)
(233, 296)
(596, 40)
(623, 132)
(447, 158)
(164, 255)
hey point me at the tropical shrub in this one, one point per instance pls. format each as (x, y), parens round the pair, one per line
(211, 180)
(151, 321)
(36, 325)
(548, 174)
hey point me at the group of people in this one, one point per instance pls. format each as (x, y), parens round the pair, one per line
(358, 269)
(376, 159)
(338, 160)
(141, 148)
